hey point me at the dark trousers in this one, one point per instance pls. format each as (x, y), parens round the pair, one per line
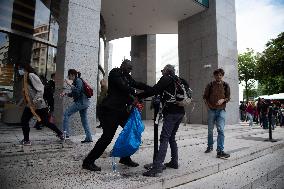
(169, 130)
(109, 123)
(264, 119)
(50, 102)
(43, 114)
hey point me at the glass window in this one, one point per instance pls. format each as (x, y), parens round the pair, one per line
(6, 10)
(18, 15)
(29, 17)
(51, 62)
(6, 73)
(15, 51)
(22, 24)
(54, 27)
(6, 69)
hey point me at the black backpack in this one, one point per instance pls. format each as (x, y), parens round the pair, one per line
(182, 94)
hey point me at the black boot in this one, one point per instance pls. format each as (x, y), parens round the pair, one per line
(209, 149)
(152, 172)
(171, 165)
(222, 154)
(91, 167)
(128, 162)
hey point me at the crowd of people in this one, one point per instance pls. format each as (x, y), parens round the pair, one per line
(113, 109)
(265, 112)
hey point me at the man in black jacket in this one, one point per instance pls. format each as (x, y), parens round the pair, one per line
(113, 111)
(173, 114)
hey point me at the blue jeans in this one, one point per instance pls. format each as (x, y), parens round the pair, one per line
(218, 116)
(250, 119)
(169, 130)
(82, 108)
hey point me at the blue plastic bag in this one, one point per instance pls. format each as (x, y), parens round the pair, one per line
(129, 139)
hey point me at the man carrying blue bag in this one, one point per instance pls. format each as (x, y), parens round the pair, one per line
(114, 111)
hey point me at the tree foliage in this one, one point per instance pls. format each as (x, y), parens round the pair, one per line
(270, 66)
(247, 70)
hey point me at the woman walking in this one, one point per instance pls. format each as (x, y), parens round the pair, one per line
(33, 90)
(81, 104)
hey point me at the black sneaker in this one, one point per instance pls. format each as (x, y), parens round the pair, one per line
(171, 165)
(128, 162)
(152, 173)
(91, 167)
(26, 143)
(222, 154)
(150, 166)
(61, 137)
(208, 150)
(86, 141)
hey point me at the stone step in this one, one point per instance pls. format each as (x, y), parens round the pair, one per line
(276, 182)
(184, 138)
(183, 180)
(262, 172)
(44, 168)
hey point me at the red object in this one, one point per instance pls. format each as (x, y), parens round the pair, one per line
(51, 118)
(88, 89)
(139, 106)
(250, 109)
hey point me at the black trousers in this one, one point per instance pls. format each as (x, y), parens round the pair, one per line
(43, 114)
(109, 123)
(50, 102)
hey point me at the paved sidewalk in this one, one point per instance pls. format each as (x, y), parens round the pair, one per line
(50, 164)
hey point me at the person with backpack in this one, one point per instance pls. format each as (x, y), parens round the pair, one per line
(114, 111)
(171, 90)
(48, 96)
(216, 96)
(33, 90)
(81, 104)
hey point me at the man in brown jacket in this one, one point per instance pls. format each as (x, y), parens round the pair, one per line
(216, 95)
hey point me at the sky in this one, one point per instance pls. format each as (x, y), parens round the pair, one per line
(257, 22)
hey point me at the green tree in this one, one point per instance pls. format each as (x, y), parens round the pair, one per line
(270, 66)
(247, 70)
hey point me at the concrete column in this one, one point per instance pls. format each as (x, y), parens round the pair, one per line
(78, 44)
(108, 58)
(208, 41)
(143, 55)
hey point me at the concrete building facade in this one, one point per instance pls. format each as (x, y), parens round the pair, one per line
(206, 29)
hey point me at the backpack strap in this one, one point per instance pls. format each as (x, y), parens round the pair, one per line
(210, 88)
(225, 85)
(172, 96)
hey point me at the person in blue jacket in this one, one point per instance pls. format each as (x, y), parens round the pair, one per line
(81, 104)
